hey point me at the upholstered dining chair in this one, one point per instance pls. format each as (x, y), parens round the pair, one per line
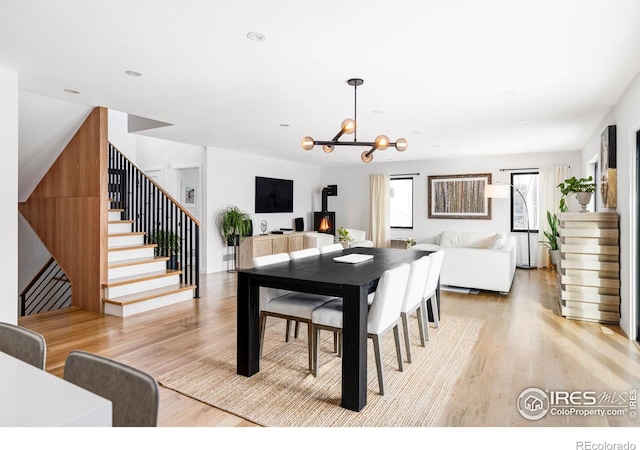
(133, 393)
(23, 344)
(359, 238)
(384, 316)
(331, 248)
(413, 301)
(288, 305)
(430, 294)
(304, 253)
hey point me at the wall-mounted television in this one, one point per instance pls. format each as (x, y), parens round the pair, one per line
(274, 195)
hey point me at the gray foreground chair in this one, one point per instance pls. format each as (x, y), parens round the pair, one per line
(133, 393)
(23, 344)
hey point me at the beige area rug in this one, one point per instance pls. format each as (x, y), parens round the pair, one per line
(285, 394)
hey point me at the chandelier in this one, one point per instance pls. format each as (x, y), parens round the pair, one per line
(349, 127)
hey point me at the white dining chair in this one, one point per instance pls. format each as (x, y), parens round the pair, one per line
(431, 289)
(304, 253)
(331, 248)
(384, 315)
(288, 305)
(413, 301)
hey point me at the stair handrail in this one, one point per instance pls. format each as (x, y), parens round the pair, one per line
(44, 299)
(154, 220)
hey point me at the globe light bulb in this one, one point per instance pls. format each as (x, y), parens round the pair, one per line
(328, 148)
(348, 126)
(401, 144)
(366, 157)
(307, 143)
(382, 142)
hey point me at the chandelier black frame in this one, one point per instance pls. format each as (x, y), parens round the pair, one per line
(349, 126)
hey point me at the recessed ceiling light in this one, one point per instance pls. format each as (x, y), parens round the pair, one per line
(71, 91)
(133, 73)
(415, 132)
(255, 36)
(508, 93)
(436, 145)
(284, 124)
(209, 134)
(521, 122)
(376, 111)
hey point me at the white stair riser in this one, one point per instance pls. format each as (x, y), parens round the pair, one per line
(115, 215)
(147, 305)
(136, 269)
(133, 239)
(140, 286)
(138, 253)
(124, 227)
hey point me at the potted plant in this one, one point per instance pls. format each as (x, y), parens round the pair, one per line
(168, 244)
(233, 224)
(343, 236)
(551, 238)
(583, 188)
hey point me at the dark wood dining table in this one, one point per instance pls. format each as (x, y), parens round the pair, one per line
(320, 275)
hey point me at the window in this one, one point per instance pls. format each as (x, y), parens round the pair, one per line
(401, 202)
(527, 184)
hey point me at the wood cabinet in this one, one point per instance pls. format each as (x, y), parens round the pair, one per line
(589, 271)
(268, 244)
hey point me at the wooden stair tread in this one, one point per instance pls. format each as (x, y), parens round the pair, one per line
(129, 233)
(133, 262)
(131, 247)
(115, 210)
(148, 295)
(119, 221)
(141, 277)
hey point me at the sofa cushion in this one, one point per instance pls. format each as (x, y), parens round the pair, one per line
(498, 242)
(466, 239)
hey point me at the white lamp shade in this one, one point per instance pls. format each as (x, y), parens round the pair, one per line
(497, 191)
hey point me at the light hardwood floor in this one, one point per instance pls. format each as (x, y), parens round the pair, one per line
(524, 343)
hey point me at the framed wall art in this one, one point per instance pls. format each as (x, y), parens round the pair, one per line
(459, 196)
(189, 195)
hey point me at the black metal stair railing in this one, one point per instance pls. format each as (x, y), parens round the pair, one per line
(49, 290)
(153, 211)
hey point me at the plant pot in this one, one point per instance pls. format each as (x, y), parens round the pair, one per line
(584, 198)
(172, 263)
(555, 257)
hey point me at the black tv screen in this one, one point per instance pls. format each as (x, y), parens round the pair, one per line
(274, 195)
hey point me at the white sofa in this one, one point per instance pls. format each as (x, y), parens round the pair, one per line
(314, 239)
(359, 238)
(485, 261)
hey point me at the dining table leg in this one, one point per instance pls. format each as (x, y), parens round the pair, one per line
(248, 321)
(354, 356)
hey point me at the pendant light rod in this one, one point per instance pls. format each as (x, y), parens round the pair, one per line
(349, 126)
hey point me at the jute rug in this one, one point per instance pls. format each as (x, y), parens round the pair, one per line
(285, 394)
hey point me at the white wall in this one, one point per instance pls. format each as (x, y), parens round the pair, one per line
(626, 116)
(352, 203)
(9, 197)
(119, 135)
(231, 181)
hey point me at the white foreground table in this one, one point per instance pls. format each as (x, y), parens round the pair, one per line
(30, 397)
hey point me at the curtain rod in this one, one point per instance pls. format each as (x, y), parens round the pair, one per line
(403, 174)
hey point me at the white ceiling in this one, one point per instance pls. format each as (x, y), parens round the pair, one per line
(454, 77)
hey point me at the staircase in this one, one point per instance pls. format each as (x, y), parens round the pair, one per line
(138, 279)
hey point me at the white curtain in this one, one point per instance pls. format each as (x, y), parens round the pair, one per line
(549, 200)
(379, 210)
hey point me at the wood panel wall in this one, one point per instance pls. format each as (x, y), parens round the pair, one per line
(68, 210)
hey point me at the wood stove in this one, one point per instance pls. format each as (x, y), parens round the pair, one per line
(325, 221)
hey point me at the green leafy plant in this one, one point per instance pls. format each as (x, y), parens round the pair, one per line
(233, 223)
(551, 237)
(168, 243)
(344, 235)
(572, 186)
